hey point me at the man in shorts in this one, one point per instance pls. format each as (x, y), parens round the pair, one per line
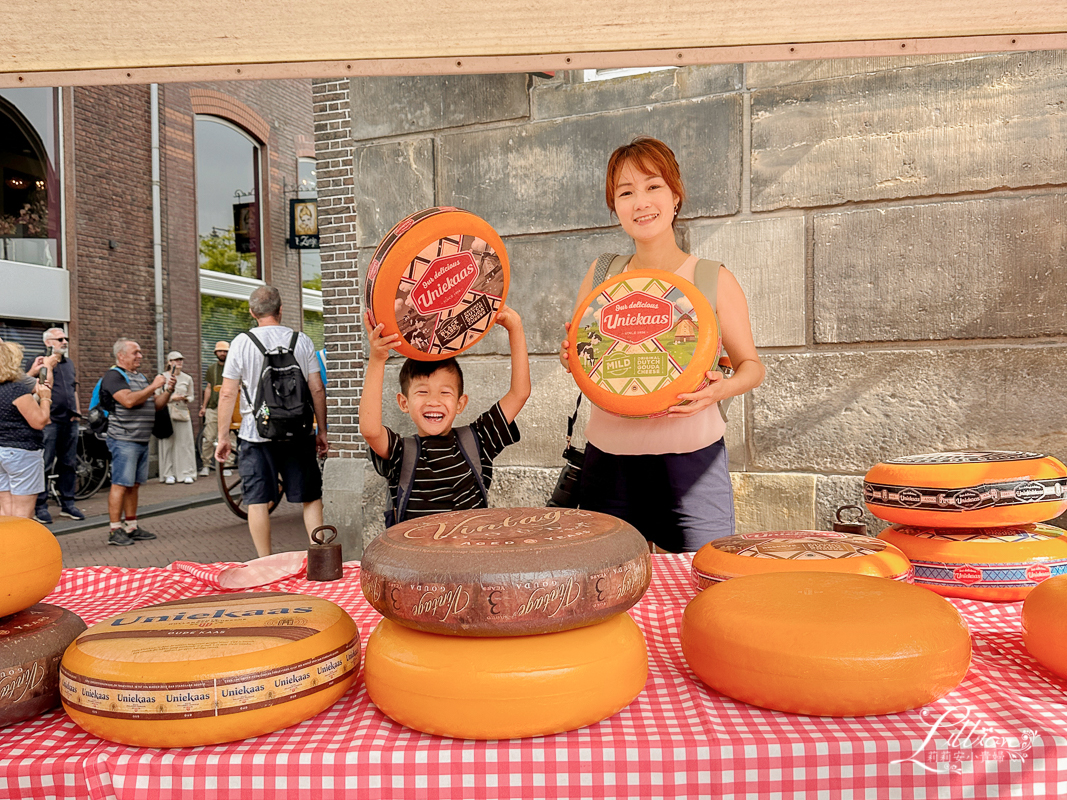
(260, 460)
(131, 402)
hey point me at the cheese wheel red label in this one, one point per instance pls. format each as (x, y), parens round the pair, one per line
(967, 489)
(641, 338)
(506, 572)
(790, 551)
(438, 279)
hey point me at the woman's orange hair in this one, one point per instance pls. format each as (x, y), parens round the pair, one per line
(652, 157)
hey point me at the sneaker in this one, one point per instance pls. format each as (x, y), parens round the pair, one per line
(72, 511)
(189, 480)
(140, 535)
(42, 515)
(170, 480)
(205, 472)
(227, 473)
(119, 538)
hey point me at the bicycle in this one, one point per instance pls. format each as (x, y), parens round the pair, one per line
(92, 469)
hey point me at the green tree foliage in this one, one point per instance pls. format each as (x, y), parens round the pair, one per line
(218, 253)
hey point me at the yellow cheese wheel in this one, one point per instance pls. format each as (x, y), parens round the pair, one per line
(825, 643)
(640, 339)
(967, 489)
(30, 563)
(982, 563)
(438, 279)
(1045, 624)
(506, 571)
(209, 669)
(793, 551)
(505, 687)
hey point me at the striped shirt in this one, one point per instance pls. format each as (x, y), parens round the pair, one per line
(443, 479)
(127, 424)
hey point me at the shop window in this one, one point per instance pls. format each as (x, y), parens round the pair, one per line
(307, 189)
(29, 181)
(221, 319)
(228, 166)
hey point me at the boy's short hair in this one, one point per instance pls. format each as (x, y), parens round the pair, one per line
(424, 369)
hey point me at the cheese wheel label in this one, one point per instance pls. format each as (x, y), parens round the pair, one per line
(986, 576)
(34, 678)
(970, 498)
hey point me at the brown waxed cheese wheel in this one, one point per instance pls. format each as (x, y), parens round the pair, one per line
(1044, 621)
(505, 687)
(506, 571)
(30, 563)
(967, 489)
(793, 551)
(438, 278)
(1002, 564)
(209, 669)
(31, 645)
(825, 643)
(639, 340)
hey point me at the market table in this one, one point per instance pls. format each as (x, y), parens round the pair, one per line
(1003, 732)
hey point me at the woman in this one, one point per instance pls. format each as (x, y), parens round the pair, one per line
(667, 476)
(177, 458)
(22, 421)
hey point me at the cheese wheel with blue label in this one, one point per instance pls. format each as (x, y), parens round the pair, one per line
(825, 643)
(209, 669)
(438, 278)
(505, 687)
(639, 340)
(1002, 564)
(1044, 622)
(31, 564)
(797, 551)
(967, 489)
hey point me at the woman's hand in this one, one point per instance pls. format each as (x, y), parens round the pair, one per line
(564, 357)
(699, 400)
(379, 345)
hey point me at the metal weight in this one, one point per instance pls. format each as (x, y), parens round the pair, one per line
(324, 557)
(854, 526)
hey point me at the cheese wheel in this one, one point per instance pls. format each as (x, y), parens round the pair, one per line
(506, 571)
(793, 551)
(505, 687)
(30, 563)
(982, 563)
(1044, 622)
(209, 669)
(825, 643)
(967, 489)
(639, 340)
(31, 645)
(438, 279)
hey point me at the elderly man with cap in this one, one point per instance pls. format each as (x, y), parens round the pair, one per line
(209, 407)
(177, 456)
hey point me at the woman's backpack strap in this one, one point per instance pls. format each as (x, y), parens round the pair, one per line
(607, 266)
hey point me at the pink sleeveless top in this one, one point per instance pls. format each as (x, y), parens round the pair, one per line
(631, 437)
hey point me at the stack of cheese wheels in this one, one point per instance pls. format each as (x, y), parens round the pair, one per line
(505, 623)
(438, 279)
(33, 635)
(797, 551)
(1045, 624)
(825, 643)
(640, 339)
(967, 519)
(209, 669)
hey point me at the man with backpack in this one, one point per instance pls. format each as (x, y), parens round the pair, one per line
(275, 374)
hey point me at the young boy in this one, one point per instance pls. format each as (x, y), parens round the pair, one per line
(431, 393)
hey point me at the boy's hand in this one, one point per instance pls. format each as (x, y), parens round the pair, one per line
(507, 318)
(379, 345)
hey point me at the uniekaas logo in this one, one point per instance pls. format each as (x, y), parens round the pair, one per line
(444, 283)
(636, 318)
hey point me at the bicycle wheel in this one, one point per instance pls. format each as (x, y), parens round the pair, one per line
(230, 489)
(94, 465)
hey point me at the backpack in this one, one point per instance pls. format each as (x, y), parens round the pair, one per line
(472, 454)
(99, 409)
(282, 406)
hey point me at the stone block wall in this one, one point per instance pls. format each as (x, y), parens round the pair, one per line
(898, 227)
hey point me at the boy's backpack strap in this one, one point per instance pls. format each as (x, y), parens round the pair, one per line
(406, 482)
(706, 278)
(468, 446)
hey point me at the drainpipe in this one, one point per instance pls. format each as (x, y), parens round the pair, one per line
(157, 229)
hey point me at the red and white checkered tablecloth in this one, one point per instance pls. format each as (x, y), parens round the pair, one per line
(1002, 733)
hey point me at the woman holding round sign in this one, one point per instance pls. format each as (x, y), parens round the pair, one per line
(644, 346)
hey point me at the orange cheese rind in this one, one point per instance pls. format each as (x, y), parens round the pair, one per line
(1044, 624)
(31, 564)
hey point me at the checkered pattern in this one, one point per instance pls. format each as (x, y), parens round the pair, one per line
(677, 739)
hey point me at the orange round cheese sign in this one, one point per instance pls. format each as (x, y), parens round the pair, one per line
(438, 278)
(640, 339)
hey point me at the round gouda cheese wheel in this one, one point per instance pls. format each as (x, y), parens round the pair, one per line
(30, 566)
(506, 571)
(209, 669)
(1044, 623)
(825, 643)
(639, 340)
(505, 687)
(967, 489)
(31, 645)
(982, 563)
(797, 551)
(438, 279)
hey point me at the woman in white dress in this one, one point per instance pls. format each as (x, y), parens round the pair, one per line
(177, 459)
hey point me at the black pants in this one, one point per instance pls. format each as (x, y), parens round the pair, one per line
(61, 440)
